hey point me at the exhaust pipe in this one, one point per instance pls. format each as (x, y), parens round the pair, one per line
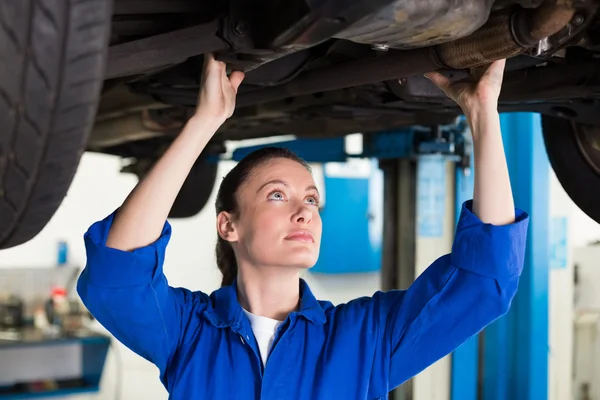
(506, 34)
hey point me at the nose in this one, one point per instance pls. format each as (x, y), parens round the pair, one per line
(303, 215)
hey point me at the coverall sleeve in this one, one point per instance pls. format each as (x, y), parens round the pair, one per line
(128, 293)
(455, 297)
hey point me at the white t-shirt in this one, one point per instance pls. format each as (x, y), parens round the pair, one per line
(264, 331)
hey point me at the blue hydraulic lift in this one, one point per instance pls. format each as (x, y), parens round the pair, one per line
(509, 359)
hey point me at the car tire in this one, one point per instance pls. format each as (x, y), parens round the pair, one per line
(575, 161)
(52, 55)
(196, 190)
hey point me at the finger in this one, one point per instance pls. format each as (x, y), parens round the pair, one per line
(224, 72)
(495, 71)
(212, 64)
(209, 59)
(236, 79)
(439, 80)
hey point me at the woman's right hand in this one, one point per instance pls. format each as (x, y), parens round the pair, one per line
(218, 91)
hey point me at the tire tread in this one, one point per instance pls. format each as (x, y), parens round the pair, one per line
(50, 97)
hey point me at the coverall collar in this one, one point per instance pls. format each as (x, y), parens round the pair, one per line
(226, 310)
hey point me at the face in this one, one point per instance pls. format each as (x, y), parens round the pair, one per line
(279, 223)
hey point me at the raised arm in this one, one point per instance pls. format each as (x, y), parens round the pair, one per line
(478, 98)
(123, 284)
(143, 214)
(464, 291)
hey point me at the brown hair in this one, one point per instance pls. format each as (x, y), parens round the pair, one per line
(227, 201)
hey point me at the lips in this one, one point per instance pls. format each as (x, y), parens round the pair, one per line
(301, 236)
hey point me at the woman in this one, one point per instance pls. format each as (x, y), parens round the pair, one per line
(263, 334)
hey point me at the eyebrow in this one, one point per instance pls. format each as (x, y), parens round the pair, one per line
(284, 183)
(312, 187)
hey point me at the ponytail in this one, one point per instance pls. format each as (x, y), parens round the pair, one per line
(226, 261)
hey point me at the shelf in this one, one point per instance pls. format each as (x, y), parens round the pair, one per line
(32, 337)
(49, 393)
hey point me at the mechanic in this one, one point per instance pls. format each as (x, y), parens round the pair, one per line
(263, 334)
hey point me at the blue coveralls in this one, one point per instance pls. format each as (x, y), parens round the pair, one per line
(204, 347)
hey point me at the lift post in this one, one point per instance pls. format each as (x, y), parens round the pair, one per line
(516, 347)
(419, 208)
(509, 360)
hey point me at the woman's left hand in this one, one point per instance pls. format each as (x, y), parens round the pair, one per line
(478, 97)
(480, 91)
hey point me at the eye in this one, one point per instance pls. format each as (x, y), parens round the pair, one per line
(312, 200)
(276, 195)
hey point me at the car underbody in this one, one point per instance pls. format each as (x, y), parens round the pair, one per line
(338, 67)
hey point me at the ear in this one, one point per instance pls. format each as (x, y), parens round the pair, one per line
(225, 227)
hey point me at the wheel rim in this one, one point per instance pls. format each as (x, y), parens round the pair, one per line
(587, 138)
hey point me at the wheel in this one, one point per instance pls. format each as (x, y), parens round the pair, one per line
(52, 55)
(196, 190)
(574, 153)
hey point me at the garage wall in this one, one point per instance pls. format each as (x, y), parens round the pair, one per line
(97, 190)
(560, 292)
(586, 357)
(588, 230)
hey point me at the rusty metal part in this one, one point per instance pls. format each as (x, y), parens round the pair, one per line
(393, 65)
(492, 41)
(506, 34)
(531, 26)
